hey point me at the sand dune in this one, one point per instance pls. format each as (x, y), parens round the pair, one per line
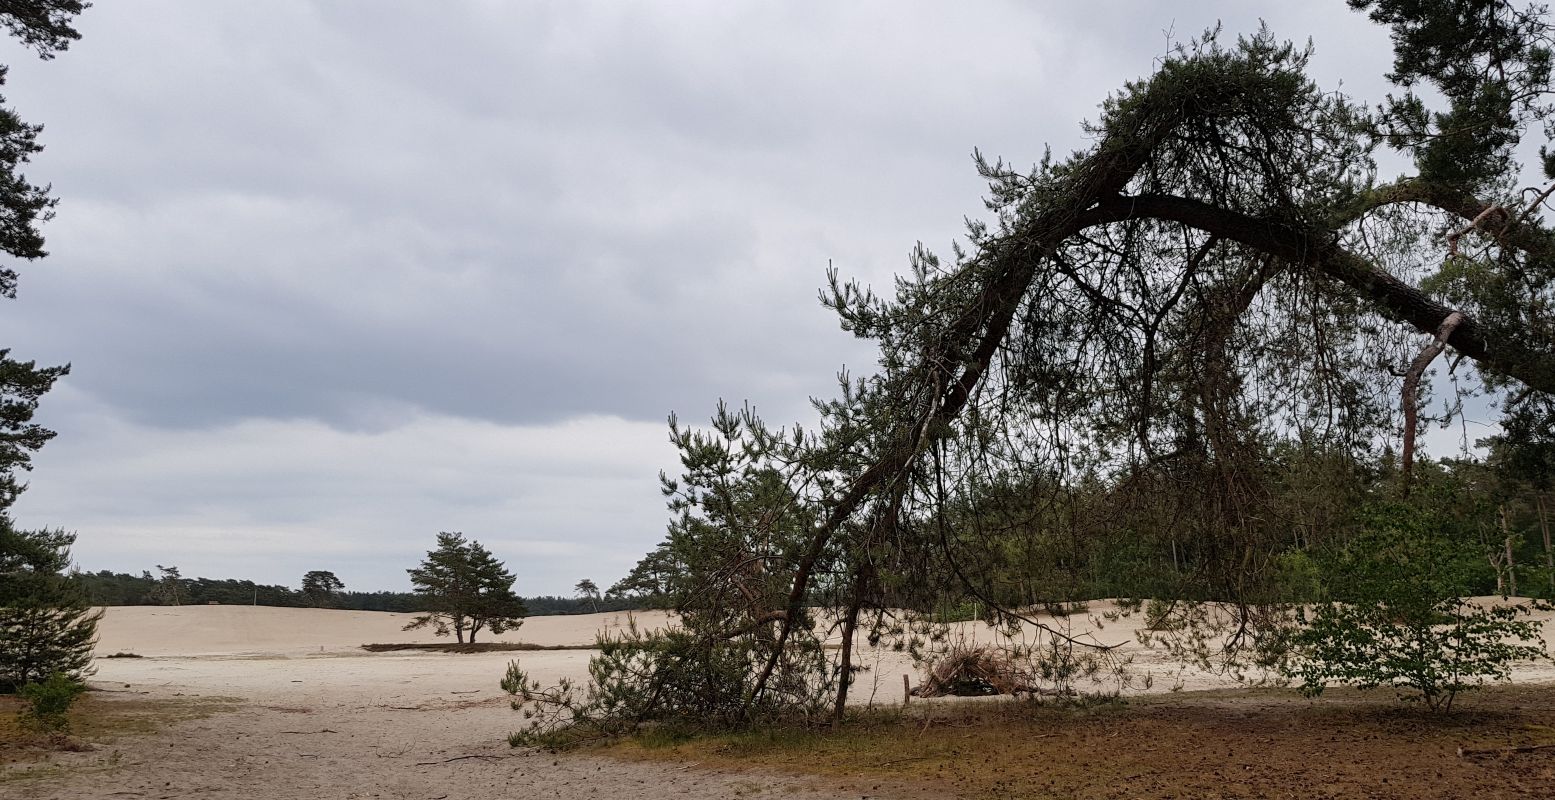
(230, 630)
(259, 651)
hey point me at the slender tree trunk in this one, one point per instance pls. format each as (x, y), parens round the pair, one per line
(1506, 541)
(1544, 528)
(1494, 557)
(1511, 567)
(845, 668)
(1412, 390)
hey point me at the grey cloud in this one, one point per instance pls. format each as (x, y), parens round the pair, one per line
(360, 219)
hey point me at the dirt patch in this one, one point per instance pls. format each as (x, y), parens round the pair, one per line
(1237, 744)
(446, 749)
(98, 720)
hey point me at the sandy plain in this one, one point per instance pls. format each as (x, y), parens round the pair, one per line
(308, 713)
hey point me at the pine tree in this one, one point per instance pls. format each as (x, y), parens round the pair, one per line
(466, 589)
(46, 626)
(169, 589)
(46, 623)
(589, 590)
(319, 587)
(1155, 328)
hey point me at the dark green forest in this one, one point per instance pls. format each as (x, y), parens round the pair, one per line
(106, 588)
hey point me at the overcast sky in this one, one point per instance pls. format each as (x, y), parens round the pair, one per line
(334, 276)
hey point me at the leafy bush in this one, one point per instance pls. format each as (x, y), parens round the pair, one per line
(667, 676)
(48, 702)
(1395, 615)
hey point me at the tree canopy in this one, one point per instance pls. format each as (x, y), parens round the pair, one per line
(320, 587)
(1205, 334)
(466, 589)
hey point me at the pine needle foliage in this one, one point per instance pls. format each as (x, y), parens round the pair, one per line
(46, 624)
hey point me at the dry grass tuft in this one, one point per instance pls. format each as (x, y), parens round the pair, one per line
(97, 718)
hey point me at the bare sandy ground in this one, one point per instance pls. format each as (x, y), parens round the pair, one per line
(319, 717)
(233, 630)
(322, 718)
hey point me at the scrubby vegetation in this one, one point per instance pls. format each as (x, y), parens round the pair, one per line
(1396, 615)
(49, 701)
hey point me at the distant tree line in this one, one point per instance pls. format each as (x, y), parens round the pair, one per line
(106, 588)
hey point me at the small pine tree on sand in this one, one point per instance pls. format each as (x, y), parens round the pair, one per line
(46, 623)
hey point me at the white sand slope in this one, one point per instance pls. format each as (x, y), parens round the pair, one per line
(230, 630)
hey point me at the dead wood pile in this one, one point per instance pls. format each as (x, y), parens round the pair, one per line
(973, 671)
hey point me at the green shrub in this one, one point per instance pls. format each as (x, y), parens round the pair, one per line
(673, 677)
(1394, 615)
(49, 701)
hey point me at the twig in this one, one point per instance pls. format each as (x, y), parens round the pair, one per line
(325, 730)
(1537, 201)
(1466, 752)
(461, 758)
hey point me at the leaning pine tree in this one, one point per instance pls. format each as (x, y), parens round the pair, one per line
(1151, 339)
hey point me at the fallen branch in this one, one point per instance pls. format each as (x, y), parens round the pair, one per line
(460, 758)
(900, 760)
(1467, 752)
